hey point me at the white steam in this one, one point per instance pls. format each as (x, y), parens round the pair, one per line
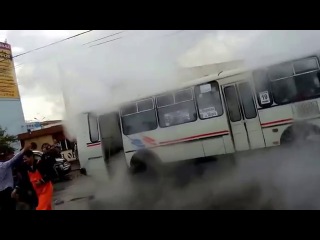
(102, 78)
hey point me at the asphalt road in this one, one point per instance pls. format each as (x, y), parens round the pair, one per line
(274, 178)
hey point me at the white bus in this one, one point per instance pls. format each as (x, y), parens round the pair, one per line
(214, 115)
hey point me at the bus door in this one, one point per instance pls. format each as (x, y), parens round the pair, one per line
(243, 116)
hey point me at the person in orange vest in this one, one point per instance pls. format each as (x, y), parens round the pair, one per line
(41, 175)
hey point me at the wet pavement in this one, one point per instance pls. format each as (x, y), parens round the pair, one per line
(274, 178)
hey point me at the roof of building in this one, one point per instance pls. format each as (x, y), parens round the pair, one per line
(41, 132)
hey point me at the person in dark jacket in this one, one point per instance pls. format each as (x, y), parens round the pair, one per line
(24, 193)
(41, 174)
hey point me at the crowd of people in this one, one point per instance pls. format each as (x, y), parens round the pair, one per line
(25, 182)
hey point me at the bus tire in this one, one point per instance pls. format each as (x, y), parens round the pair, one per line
(145, 161)
(299, 132)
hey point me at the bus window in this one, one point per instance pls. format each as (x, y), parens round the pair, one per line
(284, 91)
(232, 103)
(181, 110)
(280, 71)
(129, 109)
(208, 100)
(184, 95)
(93, 128)
(247, 100)
(262, 86)
(141, 120)
(145, 105)
(301, 86)
(305, 65)
(165, 100)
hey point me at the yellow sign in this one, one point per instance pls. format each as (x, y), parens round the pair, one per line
(8, 83)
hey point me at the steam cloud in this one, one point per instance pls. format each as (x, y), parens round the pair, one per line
(281, 179)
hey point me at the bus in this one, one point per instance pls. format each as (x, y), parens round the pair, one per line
(225, 113)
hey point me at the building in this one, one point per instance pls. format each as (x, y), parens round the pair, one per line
(47, 135)
(11, 113)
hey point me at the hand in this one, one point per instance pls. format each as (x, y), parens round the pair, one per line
(27, 147)
(14, 194)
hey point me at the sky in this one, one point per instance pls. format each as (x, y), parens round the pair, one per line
(140, 61)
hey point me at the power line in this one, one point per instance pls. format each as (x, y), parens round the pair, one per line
(164, 35)
(104, 37)
(105, 42)
(48, 45)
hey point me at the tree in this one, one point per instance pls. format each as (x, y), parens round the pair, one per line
(6, 140)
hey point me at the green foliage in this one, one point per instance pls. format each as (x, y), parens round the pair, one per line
(6, 140)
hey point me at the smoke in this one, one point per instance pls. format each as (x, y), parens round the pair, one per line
(143, 63)
(100, 80)
(281, 178)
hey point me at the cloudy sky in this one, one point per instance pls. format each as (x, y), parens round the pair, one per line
(139, 61)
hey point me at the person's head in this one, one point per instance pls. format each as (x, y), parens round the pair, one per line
(33, 146)
(45, 147)
(28, 157)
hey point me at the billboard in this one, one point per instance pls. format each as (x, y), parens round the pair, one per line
(8, 83)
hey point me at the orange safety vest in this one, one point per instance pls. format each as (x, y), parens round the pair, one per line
(44, 191)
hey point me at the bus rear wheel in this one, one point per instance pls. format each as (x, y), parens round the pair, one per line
(146, 162)
(299, 133)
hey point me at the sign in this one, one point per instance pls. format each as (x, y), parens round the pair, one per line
(8, 83)
(264, 97)
(69, 155)
(205, 88)
(34, 126)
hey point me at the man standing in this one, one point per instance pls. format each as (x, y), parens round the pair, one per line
(41, 174)
(6, 178)
(24, 193)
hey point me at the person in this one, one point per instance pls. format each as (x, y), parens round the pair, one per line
(24, 193)
(57, 148)
(34, 146)
(41, 175)
(7, 163)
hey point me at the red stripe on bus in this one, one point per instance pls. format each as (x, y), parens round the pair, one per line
(278, 121)
(93, 144)
(196, 136)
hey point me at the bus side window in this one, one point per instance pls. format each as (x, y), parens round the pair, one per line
(247, 100)
(208, 100)
(232, 103)
(93, 128)
(176, 108)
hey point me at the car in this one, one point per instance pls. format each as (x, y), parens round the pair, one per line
(62, 167)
